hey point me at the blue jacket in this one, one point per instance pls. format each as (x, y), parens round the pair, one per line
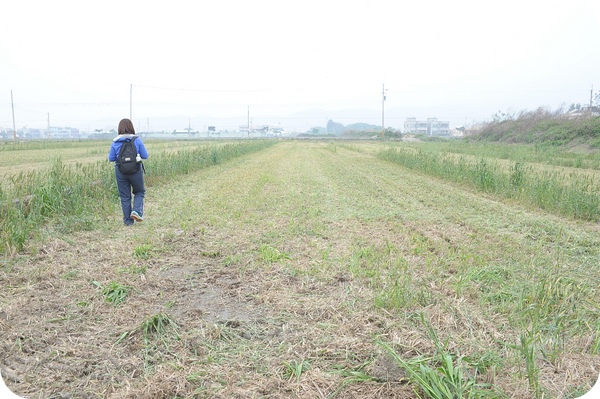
(118, 142)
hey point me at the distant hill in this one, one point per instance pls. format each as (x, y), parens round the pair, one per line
(541, 127)
(353, 130)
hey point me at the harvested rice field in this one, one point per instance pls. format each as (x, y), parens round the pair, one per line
(305, 269)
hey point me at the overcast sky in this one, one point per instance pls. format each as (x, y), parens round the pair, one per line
(456, 60)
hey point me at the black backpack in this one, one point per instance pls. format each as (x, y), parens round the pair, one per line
(126, 158)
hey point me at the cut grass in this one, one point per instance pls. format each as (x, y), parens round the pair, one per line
(370, 250)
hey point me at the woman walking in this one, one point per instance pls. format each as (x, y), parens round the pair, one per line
(128, 182)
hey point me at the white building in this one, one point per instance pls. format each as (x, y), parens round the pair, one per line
(429, 127)
(59, 132)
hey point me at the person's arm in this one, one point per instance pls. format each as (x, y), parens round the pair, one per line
(141, 149)
(112, 154)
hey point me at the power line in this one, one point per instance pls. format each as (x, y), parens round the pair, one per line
(66, 104)
(491, 91)
(201, 90)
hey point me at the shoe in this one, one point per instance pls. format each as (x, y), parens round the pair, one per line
(136, 216)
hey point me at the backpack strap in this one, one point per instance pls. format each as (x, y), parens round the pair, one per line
(141, 163)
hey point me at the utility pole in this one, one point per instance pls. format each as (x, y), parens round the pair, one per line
(130, 101)
(13, 115)
(383, 112)
(248, 121)
(591, 98)
(48, 125)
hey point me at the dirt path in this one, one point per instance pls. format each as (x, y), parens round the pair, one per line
(269, 276)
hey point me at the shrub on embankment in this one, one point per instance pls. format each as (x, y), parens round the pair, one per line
(541, 127)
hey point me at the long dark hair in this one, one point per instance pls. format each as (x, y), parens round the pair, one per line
(126, 127)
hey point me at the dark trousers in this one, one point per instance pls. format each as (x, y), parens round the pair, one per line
(126, 185)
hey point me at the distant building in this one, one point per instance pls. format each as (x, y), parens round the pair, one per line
(187, 131)
(263, 130)
(457, 132)
(429, 127)
(30, 133)
(271, 130)
(63, 132)
(584, 111)
(6, 133)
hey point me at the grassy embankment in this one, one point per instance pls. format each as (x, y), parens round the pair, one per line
(543, 127)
